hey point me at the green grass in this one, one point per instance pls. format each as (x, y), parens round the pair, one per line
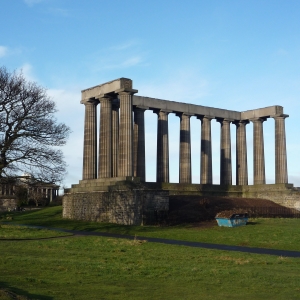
(106, 268)
(266, 233)
(101, 268)
(21, 232)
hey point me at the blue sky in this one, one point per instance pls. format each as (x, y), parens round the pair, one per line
(236, 55)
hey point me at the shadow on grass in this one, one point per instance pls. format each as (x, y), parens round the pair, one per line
(8, 292)
(52, 217)
(252, 223)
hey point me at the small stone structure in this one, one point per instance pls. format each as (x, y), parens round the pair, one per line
(114, 189)
(8, 200)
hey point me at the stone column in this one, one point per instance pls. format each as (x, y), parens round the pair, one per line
(51, 195)
(139, 163)
(206, 152)
(258, 151)
(241, 153)
(281, 175)
(185, 167)
(115, 137)
(125, 166)
(162, 160)
(225, 155)
(90, 140)
(105, 139)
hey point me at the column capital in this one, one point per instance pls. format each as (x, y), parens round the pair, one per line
(259, 119)
(201, 117)
(90, 101)
(227, 120)
(180, 114)
(157, 111)
(280, 116)
(140, 108)
(238, 122)
(126, 91)
(110, 96)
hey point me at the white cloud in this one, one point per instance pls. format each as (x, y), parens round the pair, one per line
(66, 99)
(71, 112)
(126, 55)
(123, 63)
(26, 69)
(132, 61)
(3, 51)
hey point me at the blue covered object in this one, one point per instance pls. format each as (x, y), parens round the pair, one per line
(233, 220)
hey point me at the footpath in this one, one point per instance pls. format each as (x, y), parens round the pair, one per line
(283, 253)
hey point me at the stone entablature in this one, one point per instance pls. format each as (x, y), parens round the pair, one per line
(199, 110)
(106, 88)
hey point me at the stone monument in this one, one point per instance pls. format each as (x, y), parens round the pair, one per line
(113, 186)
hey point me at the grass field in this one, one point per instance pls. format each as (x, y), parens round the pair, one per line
(106, 268)
(274, 233)
(21, 232)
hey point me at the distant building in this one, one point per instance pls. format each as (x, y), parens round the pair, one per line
(8, 188)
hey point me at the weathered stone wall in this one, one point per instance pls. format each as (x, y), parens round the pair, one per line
(130, 202)
(203, 190)
(8, 204)
(129, 207)
(283, 194)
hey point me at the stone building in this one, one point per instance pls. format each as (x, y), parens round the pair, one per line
(37, 190)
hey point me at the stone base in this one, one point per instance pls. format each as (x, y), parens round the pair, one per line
(282, 194)
(8, 204)
(125, 200)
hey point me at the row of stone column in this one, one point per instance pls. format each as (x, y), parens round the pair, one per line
(185, 169)
(122, 144)
(115, 139)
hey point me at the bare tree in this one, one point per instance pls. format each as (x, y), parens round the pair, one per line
(30, 135)
(37, 196)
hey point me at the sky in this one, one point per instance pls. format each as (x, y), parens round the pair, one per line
(234, 54)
